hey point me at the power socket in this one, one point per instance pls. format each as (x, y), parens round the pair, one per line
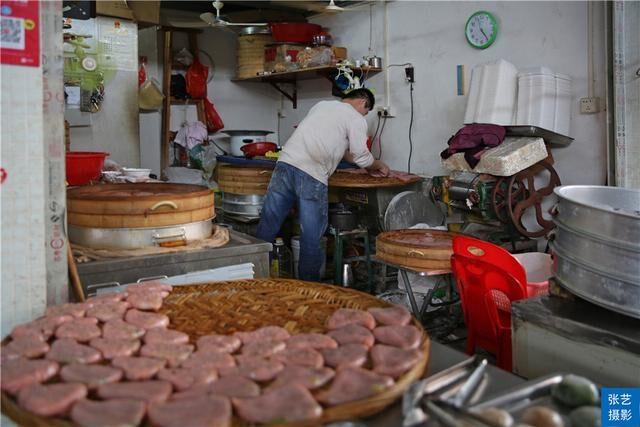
(589, 105)
(409, 74)
(386, 111)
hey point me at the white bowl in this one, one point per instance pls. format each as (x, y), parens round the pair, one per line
(136, 173)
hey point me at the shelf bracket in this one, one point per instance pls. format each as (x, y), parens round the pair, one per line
(293, 97)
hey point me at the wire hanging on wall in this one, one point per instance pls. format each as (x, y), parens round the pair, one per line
(410, 129)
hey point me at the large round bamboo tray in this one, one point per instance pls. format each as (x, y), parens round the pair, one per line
(139, 205)
(244, 305)
(417, 249)
(351, 180)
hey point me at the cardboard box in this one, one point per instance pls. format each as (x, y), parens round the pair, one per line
(339, 53)
(143, 11)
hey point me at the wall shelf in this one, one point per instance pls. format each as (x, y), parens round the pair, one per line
(277, 80)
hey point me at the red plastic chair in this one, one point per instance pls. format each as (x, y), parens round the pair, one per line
(488, 279)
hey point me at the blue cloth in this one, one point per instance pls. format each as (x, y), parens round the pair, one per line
(289, 186)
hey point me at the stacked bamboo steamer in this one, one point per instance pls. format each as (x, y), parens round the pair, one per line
(139, 205)
(251, 54)
(418, 249)
(246, 180)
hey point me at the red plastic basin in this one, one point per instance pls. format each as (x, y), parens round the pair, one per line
(294, 32)
(84, 166)
(258, 148)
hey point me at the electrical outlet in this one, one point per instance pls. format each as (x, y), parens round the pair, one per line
(409, 74)
(386, 111)
(589, 105)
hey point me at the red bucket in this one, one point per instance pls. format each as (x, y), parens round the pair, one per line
(84, 166)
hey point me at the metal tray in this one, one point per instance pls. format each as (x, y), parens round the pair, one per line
(532, 393)
(551, 138)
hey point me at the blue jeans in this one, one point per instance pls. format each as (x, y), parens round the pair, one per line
(290, 185)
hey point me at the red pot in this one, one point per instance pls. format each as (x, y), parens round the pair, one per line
(258, 148)
(84, 166)
(294, 32)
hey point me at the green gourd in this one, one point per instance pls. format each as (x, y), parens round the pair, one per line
(576, 391)
(586, 416)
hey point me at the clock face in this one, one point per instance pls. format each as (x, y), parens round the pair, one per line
(481, 30)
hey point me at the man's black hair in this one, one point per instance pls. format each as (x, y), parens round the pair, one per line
(362, 93)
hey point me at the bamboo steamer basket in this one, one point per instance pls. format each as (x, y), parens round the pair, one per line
(245, 305)
(251, 54)
(244, 180)
(138, 205)
(417, 249)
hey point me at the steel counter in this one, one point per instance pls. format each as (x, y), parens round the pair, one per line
(240, 249)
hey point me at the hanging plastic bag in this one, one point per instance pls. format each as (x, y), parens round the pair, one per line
(197, 80)
(142, 72)
(214, 121)
(150, 95)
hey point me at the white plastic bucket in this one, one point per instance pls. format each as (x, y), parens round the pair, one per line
(295, 248)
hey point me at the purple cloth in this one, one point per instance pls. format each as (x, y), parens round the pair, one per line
(474, 140)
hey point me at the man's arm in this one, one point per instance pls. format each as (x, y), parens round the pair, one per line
(378, 168)
(348, 157)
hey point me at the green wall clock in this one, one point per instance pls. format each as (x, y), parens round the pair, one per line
(481, 29)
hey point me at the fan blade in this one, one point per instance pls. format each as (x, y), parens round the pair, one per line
(209, 18)
(247, 24)
(188, 24)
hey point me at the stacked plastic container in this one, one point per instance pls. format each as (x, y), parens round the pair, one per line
(544, 100)
(534, 97)
(492, 94)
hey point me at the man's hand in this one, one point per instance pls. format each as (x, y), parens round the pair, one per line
(378, 169)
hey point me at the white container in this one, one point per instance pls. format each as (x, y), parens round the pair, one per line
(492, 94)
(136, 172)
(295, 248)
(241, 137)
(544, 100)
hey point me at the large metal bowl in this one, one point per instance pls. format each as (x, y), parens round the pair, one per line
(597, 245)
(612, 213)
(594, 285)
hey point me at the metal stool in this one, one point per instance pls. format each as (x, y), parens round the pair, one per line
(338, 253)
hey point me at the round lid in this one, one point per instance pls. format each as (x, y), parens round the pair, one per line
(138, 192)
(427, 239)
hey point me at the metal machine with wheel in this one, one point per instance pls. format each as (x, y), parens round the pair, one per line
(503, 206)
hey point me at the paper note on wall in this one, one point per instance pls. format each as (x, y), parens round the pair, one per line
(117, 44)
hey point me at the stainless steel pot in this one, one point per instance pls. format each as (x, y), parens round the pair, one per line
(597, 245)
(249, 205)
(374, 61)
(242, 137)
(134, 238)
(606, 257)
(249, 31)
(595, 286)
(343, 220)
(611, 213)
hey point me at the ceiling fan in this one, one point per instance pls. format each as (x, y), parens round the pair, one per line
(215, 21)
